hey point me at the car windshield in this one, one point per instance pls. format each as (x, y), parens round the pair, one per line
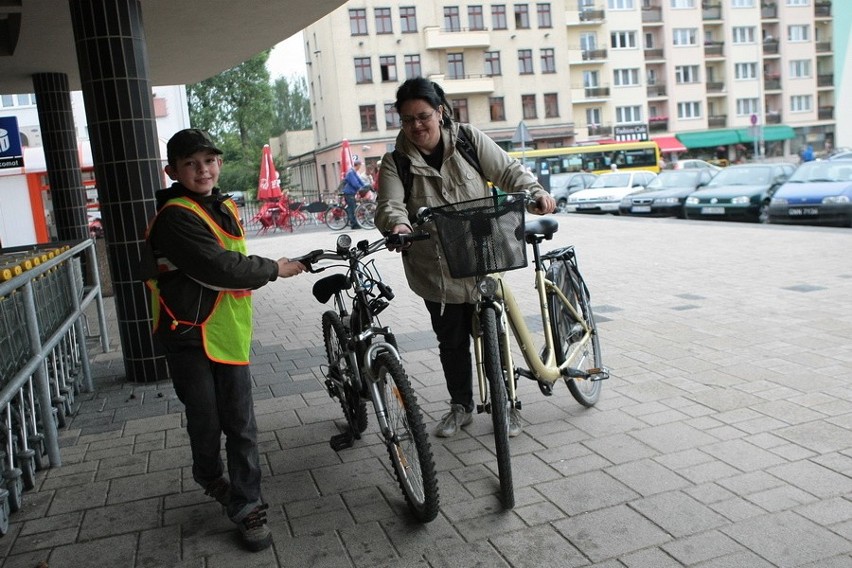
(611, 180)
(681, 178)
(742, 176)
(823, 171)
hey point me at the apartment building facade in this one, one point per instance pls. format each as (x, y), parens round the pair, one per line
(745, 74)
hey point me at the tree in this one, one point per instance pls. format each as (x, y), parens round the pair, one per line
(292, 105)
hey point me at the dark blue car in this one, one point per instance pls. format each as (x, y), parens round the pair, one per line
(818, 193)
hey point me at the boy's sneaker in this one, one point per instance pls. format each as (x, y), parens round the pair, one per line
(515, 426)
(220, 490)
(453, 420)
(256, 535)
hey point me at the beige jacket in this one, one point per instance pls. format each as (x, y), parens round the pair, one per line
(425, 267)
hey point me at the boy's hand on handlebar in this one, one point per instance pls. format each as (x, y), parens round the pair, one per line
(288, 268)
(399, 230)
(544, 204)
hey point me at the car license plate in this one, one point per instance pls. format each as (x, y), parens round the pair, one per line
(586, 206)
(712, 210)
(802, 211)
(640, 209)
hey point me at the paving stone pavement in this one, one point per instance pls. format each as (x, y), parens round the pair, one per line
(723, 438)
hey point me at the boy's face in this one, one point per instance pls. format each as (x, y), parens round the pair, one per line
(198, 172)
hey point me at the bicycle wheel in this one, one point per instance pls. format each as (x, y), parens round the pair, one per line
(297, 220)
(408, 444)
(335, 217)
(365, 214)
(567, 330)
(353, 406)
(499, 403)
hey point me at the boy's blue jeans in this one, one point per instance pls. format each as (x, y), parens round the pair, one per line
(218, 400)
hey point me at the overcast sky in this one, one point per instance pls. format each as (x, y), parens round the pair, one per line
(287, 58)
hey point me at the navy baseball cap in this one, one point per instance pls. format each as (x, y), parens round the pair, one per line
(187, 142)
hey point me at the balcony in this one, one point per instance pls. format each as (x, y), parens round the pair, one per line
(437, 38)
(715, 87)
(580, 95)
(466, 84)
(825, 113)
(599, 130)
(772, 83)
(652, 15)
(770, 47)
(773, 118)
(657, 90)
(711, 12)
(822, 9)
(826, 80)
(594, 55)
(718, 121)
(714, 49)
(654, 54)
(592, 16)
(823, 47)
(658, 124)
(769, 12)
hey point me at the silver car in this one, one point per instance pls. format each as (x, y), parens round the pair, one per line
(563, 185)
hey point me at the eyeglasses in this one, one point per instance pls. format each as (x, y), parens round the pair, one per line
(421, 118)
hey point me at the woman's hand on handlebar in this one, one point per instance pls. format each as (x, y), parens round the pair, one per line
(401, 229)
(288, 268)
(544, 204)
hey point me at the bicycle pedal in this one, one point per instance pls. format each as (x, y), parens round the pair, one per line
(342, 441)
(480, 408)
(599, 374)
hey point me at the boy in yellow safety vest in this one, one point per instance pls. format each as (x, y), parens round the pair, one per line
(201, 302)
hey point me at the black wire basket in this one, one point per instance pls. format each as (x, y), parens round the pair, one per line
(482, 236)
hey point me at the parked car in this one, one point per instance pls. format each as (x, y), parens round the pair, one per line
(563, 185)
(239, 198)
(664, 196)
(817, 193)
(738, 193)
(841, 155)
(606, 193)
(693, 164)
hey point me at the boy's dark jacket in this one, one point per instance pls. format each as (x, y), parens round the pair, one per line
(184, 239)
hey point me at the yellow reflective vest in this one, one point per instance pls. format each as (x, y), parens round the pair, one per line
(227, 330)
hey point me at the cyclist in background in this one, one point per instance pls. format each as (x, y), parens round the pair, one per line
(440, 175)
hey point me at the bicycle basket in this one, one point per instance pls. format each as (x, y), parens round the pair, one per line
(482, 236)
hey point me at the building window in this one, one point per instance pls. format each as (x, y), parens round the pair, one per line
(460, 110)
(588, 41)
(686, 74)
(620, 4)
(591, 79)
(497, 109)
(412, 66)
(391, 116)
(677, 4)
(408, 19)
(689, 110)
(622, 40)
(742, 3)
(801, 103)
(551, 105)
(492, 64)
(528, 104)
(798, 2)
(525, 64)
(383, 21)
(363, 70)
(545, 19)
(746, 107)
(684, 36)
(368, 118)
(358, 21)
(625, 77)
(745, 70)
(743, 34)
(798, 33)
(475, 18)
(26, 99)
(593, 116)
(800, 68)
(452, 20)
(548, 60)
(498, 17)
(455, 66)
(628, 114)
(387, 66)
(522, 17)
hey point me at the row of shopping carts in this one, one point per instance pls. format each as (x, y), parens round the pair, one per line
(43, 360)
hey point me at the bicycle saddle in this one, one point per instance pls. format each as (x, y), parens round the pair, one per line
(543, 226)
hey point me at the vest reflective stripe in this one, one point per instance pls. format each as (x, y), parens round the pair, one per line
(226, 333)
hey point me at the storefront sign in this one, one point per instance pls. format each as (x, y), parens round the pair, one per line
(11, 154)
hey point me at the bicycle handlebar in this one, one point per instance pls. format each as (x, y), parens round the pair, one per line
(360, 250)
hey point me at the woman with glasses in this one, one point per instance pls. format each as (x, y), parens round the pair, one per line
(439, 174)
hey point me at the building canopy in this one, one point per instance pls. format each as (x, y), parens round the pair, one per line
(724, 137)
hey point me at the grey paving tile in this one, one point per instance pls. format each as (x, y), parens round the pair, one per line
(112, 551)
(647, 477)
(120, 519)
(586, 492)
(678, 513)
(813, 478)
(537, 546)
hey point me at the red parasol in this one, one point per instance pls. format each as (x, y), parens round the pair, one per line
(345, 158)
(268, 186)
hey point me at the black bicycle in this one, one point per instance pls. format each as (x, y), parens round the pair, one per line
(364, 364)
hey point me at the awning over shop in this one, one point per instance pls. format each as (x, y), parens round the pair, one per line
(669, 144)
(770, 133)
(708, 138)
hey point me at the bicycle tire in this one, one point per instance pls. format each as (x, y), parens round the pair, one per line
(336, 218)
(335, 337)
(365, 214)
(566, 330)
(499, 403)
(408, 445)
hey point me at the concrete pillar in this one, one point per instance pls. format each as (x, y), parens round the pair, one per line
(113, 58)
(59, 136)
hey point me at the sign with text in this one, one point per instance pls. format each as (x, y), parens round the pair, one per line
(630, 133)
(11, 154)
